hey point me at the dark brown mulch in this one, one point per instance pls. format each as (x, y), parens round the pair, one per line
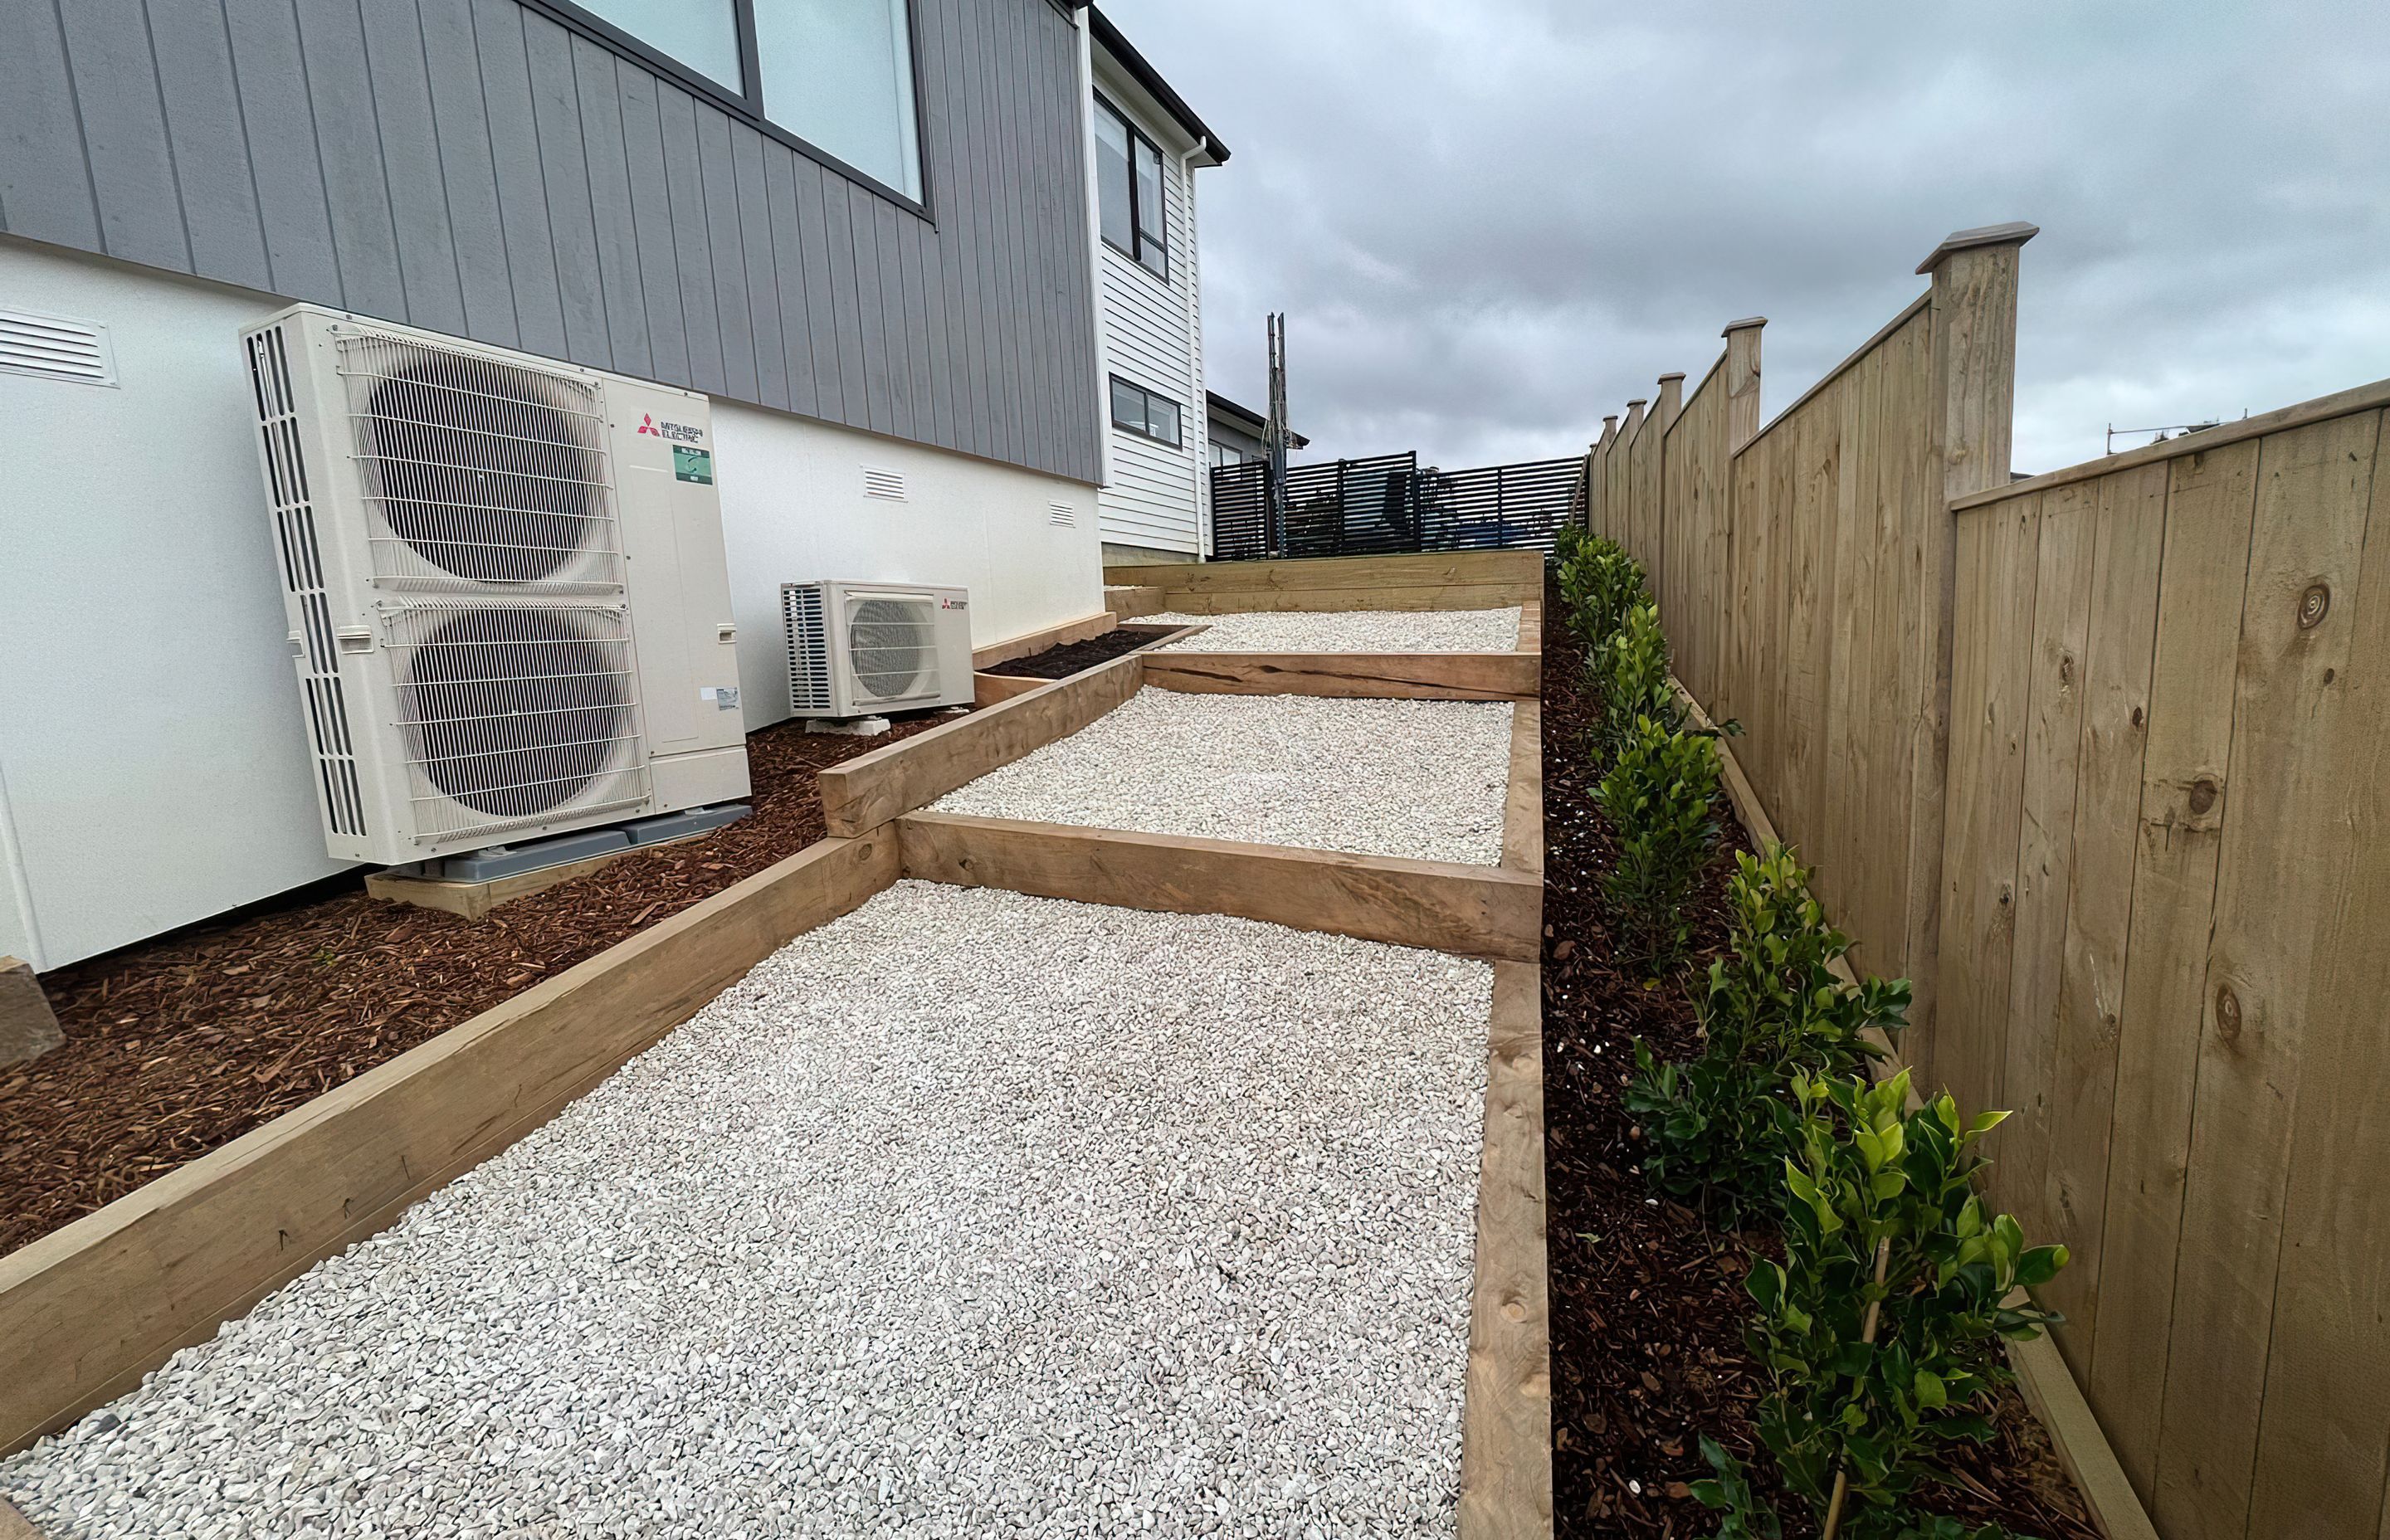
(1061, 662)
(177, 1045)
(1647, 1308)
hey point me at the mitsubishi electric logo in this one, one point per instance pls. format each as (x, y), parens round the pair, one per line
(679, 432)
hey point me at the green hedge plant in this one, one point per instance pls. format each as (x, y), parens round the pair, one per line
(1884, 1227)
(1719, 1126)
(1632, 672)
(1659, 797)
(1598, 584)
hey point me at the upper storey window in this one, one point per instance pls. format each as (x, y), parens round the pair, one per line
(1129, 191)
(835, 74)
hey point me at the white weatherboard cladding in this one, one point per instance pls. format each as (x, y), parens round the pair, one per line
(154, 764)
(1155, 496)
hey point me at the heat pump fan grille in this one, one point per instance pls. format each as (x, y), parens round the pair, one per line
(510, 714)
(481, 471)
(894, 644)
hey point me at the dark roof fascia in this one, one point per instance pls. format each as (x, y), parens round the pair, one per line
(1100, 28)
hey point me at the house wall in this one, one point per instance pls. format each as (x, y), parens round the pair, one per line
(793, 510)
(1152, 497)
(153, 761)
(476, 168)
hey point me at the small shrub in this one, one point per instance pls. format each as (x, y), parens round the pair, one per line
(1633, 676)
(1658, 797)
(1719, 1126)
(1882, 1218)
(1748, 1515)
(1598, 585)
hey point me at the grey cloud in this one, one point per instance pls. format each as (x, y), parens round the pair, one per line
(1494, 222)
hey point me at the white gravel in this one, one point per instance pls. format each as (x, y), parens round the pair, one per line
(1424, 780)
(1349, 631)
(968, 1214)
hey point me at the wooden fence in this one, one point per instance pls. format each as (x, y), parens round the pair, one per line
(2098, 760)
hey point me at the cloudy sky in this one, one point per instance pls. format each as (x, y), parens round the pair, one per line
(1493, 221)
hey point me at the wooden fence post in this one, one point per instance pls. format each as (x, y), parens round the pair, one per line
(1653, 513)
(1741, 381)
(1971, 422)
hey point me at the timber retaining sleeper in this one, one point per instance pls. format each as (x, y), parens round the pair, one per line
(1418, 779)
(1348, 630)
(967, 1213)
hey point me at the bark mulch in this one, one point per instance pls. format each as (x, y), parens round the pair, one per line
(180, 1045)
(1061, 662)
(1647, 1308)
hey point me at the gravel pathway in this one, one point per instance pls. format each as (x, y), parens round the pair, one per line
(967, 1215)
(1424, 780)
(1349, 631)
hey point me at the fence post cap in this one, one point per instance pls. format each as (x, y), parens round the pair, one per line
(2014, 233)
(1611, 417)
(1746, 324)
(1639, 401)
(1665, 378)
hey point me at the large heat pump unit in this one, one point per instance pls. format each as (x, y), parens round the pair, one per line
(508, 608)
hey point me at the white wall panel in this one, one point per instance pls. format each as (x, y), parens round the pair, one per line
(153, 762)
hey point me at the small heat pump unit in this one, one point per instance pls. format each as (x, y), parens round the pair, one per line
(509, 607)
(859, 648)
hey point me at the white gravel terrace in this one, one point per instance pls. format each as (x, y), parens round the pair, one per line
(967, 1215)
(1421, 779)
(1349, 631)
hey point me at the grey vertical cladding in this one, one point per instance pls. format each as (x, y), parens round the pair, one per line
(477, 167)
(468, 168)
(202, 104)
(278, 128)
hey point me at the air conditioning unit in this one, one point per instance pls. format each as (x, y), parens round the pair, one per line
(508, 606)
(857, 649)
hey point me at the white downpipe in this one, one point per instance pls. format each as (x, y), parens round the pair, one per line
(1197, 407)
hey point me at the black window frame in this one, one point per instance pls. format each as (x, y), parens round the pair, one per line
(1115, 383)
(747, 105)
(1135, 251)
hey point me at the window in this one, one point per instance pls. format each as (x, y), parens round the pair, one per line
(834, 76)
(839, 73)
(1228, 454)
(703, 34)
(1141, 411)
(1129, 191)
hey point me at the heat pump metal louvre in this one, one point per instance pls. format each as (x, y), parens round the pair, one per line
(810, 682)
(302, 576)
(480, 471)
(512, 713)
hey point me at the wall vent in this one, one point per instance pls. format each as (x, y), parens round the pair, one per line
(884, 483)
(55, 348)
(1062, 514)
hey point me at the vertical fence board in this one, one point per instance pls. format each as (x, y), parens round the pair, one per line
(2091, 960)
(1991, 627)
(1848, 714)
(2210, 501)
(2321, 1443)
(2054, 739)
(2278, 865)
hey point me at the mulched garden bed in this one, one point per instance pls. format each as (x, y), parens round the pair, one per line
(179, 1045)
(1061, 662)
(1647, 1308)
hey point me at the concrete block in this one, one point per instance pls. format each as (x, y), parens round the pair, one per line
(28, 1028)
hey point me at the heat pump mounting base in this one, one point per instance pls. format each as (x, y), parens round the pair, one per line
(471, 898)
(850, 726)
